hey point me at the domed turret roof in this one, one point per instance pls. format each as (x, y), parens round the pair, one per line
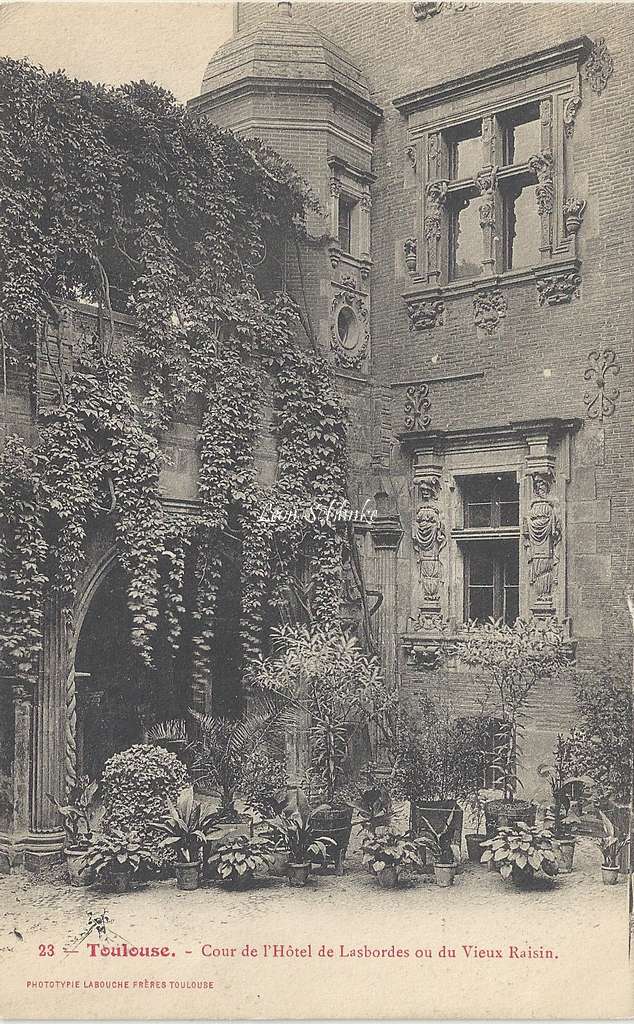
(281, 50)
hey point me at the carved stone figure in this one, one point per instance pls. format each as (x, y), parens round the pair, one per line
(542, 534)
(542, 165)
(425, 314)
(489, 307)
(409, 250)
(428, 532)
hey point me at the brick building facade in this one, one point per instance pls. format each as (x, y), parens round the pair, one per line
(470, 277)
(471, 280)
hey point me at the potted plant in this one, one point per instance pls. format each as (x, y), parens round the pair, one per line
(522, 851)
(440, 762)
(513, 659)
(114, 859)
(445, 852)
(237, 858)
(474, 840)
(332, 692)
(374, 807)
(389, 853)
(612, 843)
(294, 831)
(559, 776)
(76, 815)
(185, 830)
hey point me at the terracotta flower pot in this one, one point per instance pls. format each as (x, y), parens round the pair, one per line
(298, 874)
(187, 874)
(444, 874)
(388, 877)
(610, 875)
(566, 855)
(75, 859)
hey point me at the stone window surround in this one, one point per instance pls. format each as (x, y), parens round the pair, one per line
(550, 78)
(353, 184)
(535, 447)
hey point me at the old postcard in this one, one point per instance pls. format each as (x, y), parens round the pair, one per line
(316, 510)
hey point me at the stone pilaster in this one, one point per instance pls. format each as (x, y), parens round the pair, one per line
(23, 718)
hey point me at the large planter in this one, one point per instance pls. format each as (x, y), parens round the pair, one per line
(474, 847)
(298, 874)
(444, 874)
(335, 823)
(499, 814)
(187, 874)
(387, 877)
(610, 876)
(437, 813)
(566, 855)
(75, 860)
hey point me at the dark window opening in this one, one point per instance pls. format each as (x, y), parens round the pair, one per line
(492, 580)
(346, 207)
(465, 241)
(464, 146)
(491, 500)
(520, 225)
(521, 134)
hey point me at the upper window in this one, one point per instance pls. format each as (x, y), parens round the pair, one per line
(492, 186)
(346, 220)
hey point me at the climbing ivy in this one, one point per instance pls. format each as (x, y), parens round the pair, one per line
(118, 197)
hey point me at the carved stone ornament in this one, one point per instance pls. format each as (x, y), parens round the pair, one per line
(424, 314)
(349, 330)
(485, 181)
(541, 166)
(365, 201)
(429, 539)
(410, 154)
(409, 250)
(573, 214)
(599, 67)
(571, 109)
(601, 402)
(335, 187)
(489, 307)
(421, 11)
(557, 289)
(542, 533)
(417, 408)
(424, 654)
(435, 199)
(428, 622)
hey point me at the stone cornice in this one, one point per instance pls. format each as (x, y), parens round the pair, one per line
(254, 85)
(454, 289)
(513, 432)
(573, 51)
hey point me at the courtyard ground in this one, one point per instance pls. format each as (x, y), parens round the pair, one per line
(579, 920)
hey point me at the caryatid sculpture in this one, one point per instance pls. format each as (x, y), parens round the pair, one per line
(429, 538)
(542, 533)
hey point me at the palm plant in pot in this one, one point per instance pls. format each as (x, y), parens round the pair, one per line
(77, 815)
(445, 852)
(186, 830)
(332, 692)
(611, 844)
(293, 830)
(559, 775)
(512, 660)
(388, 854)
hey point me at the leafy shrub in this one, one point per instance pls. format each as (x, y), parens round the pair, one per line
(238, 858)
(109, 854)
(603, 746)
(136, 785)
(263, 783)
(386, 848)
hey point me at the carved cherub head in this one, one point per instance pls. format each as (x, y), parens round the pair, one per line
(542, 482)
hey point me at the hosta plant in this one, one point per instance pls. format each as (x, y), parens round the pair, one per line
(237, 859)
(116, 854)
(521, 852)
(386, 848)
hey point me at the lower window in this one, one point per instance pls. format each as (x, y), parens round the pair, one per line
(492, 580)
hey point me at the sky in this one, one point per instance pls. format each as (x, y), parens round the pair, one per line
(166, 42)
